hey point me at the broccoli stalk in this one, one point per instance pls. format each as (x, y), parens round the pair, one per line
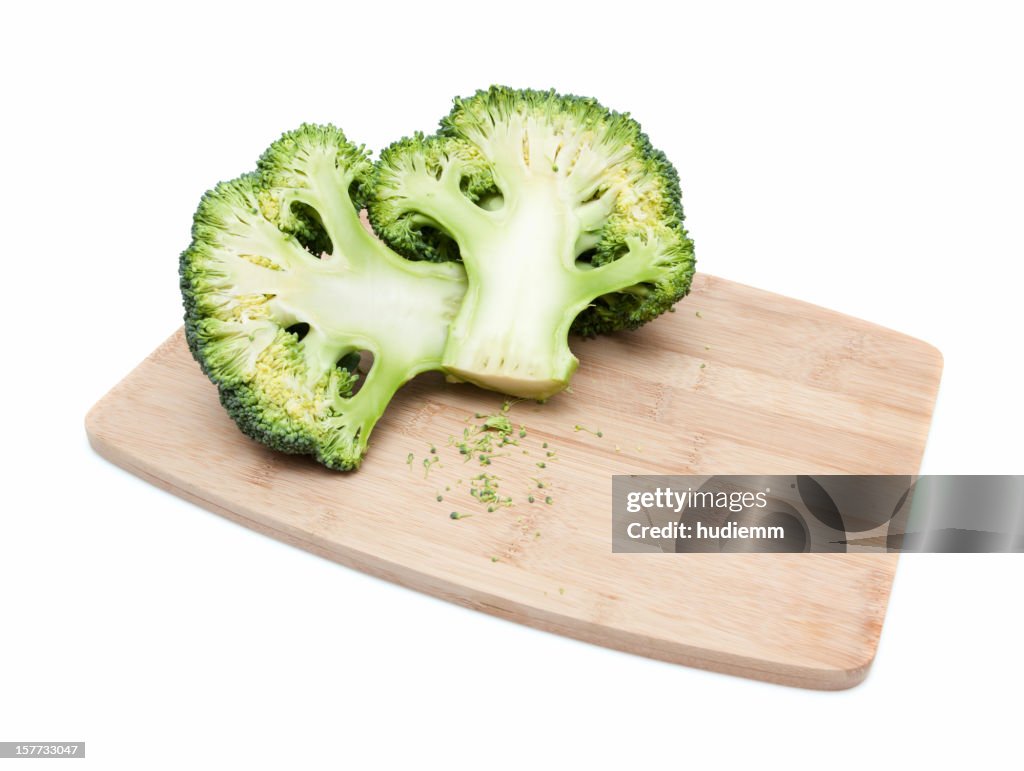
(563, 215)
(283, 287)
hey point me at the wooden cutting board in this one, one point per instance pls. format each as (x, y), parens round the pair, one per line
(736, 381)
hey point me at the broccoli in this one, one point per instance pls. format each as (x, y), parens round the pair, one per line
(564, 215)
(283, 288)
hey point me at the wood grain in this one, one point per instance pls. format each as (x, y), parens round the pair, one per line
(753, 383)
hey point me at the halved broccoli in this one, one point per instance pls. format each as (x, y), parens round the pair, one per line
(564, 216)
(283, 288)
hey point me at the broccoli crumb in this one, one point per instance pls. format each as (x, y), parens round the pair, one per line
(541, 464)
(440, 498)
(699, 316)
(458, 515)
(578, 427)
(499, 423)
(428, 463)
(530, 499)
(409, 459)
(561, 590)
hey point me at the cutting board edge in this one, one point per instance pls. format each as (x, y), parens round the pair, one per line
(707, 280)
(780, 673)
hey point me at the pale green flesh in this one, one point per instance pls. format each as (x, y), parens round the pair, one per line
(394, 315)
(519, 346)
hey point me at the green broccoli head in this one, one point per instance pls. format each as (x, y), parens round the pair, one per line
(283, 288)
(564, 215)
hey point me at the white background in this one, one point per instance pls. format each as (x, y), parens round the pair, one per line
(865, 157)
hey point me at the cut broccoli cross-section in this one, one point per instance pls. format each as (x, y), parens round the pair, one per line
(565, 218)
(283, 287)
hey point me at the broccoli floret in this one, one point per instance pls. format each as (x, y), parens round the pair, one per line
(283, 288)
(564, 215)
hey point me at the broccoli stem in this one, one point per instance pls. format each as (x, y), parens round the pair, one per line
(641, 262)
(522, 351)
(355, 416)
(520, 345)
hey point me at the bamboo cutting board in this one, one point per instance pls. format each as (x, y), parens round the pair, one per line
(738, 381)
